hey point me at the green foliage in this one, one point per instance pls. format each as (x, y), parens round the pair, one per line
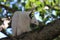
(5, 0)
(33, 1)
(28, 5)
(39, 4)
(0, 10)
(40, 7)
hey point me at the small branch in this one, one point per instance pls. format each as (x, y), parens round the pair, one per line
(48, 33)
(7, 8)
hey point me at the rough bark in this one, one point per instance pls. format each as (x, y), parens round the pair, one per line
(48, 33)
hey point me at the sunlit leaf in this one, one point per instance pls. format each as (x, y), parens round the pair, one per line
(57, 1)
(56, 7)
(46, 1)
(5, 0)
(39, 9)
(28, 5)
(32, 0)
(38, 3)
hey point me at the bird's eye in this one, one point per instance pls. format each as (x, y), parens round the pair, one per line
(30, 15)
(34, 21)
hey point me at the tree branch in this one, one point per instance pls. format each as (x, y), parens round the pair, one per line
(8, 8)
(48, 33)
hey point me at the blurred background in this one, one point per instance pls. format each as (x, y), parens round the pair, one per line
(45, 11)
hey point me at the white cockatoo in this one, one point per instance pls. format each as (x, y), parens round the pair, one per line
(20, 23)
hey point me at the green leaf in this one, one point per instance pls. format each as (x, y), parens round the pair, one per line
(37, 3)
(15, 7)
(57, 1)
(0, 10)
(28, 5)
(5, 0)
(39, 9)
(32, 0)
(46, 1)
(7, 4)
